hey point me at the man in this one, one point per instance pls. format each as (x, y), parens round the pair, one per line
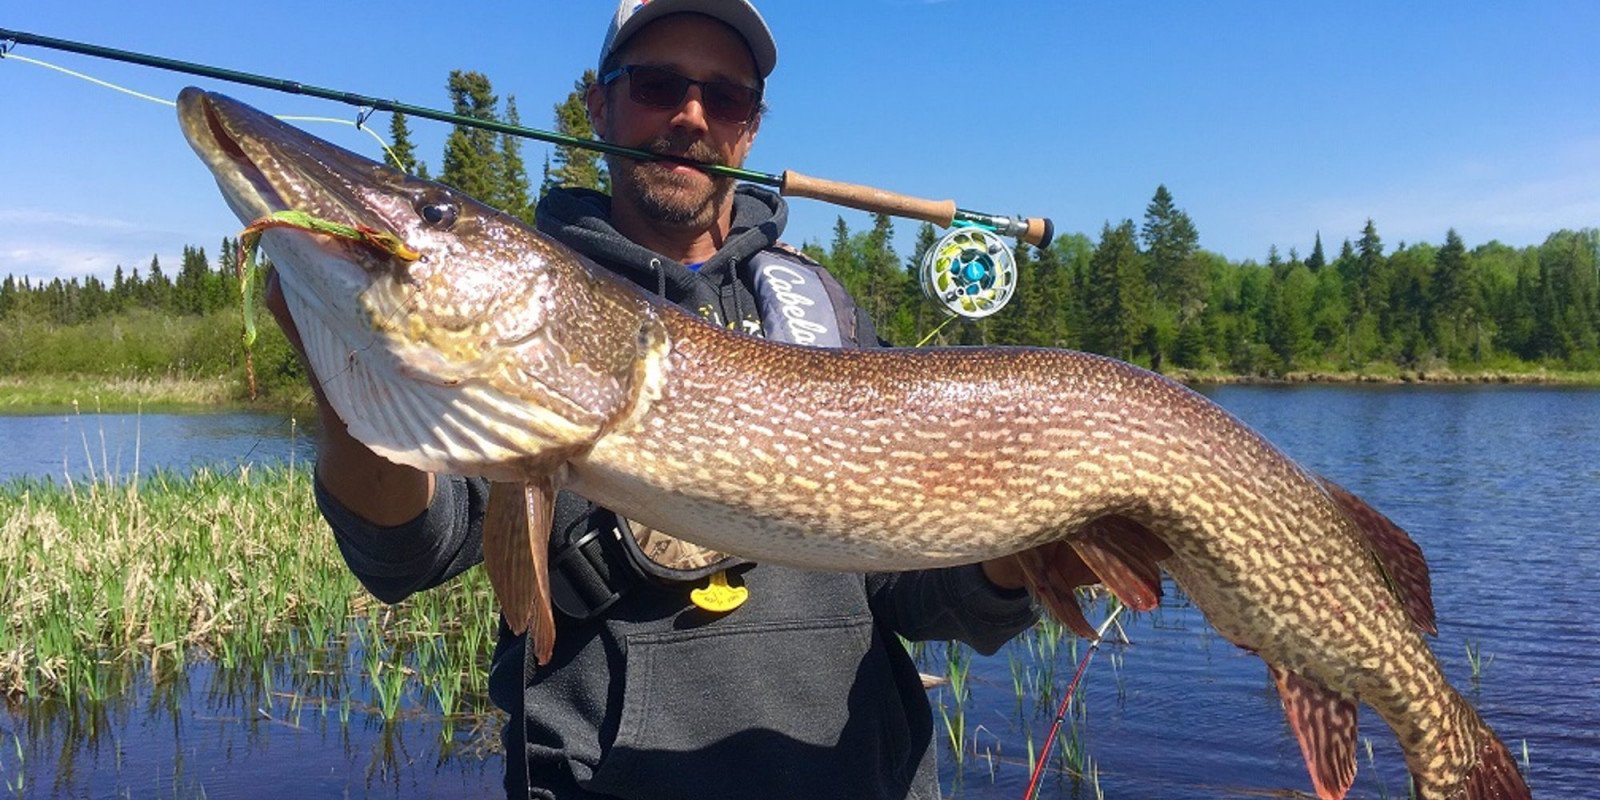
(801, 690)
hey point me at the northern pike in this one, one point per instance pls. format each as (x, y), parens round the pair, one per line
(492, 350)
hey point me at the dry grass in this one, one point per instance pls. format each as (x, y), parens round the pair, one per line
(102, 393)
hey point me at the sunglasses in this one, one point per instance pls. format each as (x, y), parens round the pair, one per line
(659, 87)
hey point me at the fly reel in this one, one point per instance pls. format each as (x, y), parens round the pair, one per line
(970, 272)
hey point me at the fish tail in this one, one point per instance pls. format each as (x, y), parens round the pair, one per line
(1494, 776)
(1484, 767)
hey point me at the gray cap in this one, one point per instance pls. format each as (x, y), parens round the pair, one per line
(736, 14)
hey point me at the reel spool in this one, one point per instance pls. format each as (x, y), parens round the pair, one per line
(970, 272)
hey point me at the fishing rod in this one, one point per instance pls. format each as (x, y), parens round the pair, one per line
(1061, 711)
(969, 272)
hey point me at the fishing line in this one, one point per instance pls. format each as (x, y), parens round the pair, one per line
(1061, 711)
(6, 53)
(358, 124)
(972, 277)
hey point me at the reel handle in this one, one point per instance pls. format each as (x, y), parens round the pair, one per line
(1039, 232)
(866, 198)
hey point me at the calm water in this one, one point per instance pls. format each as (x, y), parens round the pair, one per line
(1497, 484)
(80, 445)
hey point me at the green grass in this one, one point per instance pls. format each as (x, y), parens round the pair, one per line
(101, 580)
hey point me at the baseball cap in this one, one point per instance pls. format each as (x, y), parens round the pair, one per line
(736, 14)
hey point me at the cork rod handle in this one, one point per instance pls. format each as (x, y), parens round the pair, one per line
(866, 198)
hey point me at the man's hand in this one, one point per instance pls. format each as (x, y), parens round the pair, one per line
(1065, 568)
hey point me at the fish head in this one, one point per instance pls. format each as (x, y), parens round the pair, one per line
(488, 349)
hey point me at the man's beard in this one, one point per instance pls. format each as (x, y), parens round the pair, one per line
(667, 197)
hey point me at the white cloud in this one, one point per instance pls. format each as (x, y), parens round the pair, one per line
(46, 244)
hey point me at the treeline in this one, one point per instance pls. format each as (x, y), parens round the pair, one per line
(1144, 292)
(1147, 293)
(196, 289)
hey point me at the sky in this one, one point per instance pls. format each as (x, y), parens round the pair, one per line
(1269, 122)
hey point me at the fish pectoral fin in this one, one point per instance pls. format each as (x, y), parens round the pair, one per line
(1398, 557)
(1123, 553)
(1324, 722)
(516, 553)
(1052, 574)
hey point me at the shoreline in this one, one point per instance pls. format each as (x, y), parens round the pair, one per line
(1437, 377)
(100, 394)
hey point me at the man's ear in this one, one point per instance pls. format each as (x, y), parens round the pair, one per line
(595, 100)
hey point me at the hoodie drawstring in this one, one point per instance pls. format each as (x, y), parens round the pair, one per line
(661, 277)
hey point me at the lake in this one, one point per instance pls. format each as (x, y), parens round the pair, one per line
(1498, 485)
(78, 445)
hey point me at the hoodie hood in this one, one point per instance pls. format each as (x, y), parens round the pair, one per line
(581, 219)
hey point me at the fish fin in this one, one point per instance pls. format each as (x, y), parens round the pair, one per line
(516, 553)
(1495, 776)
(1398, 557)
(1324, 722)
(540, 500)
(1123, 555)
(1045, 582)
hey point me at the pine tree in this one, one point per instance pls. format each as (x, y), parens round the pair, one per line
(514, 184)
(1119, 308)
(925, 316)
(1317, 260)
(885, 280)
(157, 288)
(1170, 243)
(842, 260)
(575, 166)
(471, 162)
(402, 154)
(1014, 324)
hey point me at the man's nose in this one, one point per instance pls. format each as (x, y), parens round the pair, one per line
(691, 112)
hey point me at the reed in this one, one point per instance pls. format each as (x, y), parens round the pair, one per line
(1476, 661)
(105, 579)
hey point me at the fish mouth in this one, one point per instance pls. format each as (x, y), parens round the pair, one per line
(264, 165)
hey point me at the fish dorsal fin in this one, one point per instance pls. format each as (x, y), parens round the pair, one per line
(516, 553)
(1400, 558)
(1324, 722)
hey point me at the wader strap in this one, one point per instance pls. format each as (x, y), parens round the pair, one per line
(583, 581)
(795, 304)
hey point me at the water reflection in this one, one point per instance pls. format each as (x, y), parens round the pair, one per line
(207, 731)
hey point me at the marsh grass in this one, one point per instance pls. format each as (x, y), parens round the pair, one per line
(1037, 663)
(49, 393)
(110, 580)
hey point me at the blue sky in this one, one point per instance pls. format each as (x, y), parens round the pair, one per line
(1268, 121)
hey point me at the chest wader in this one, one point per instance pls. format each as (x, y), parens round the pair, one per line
(597, 556)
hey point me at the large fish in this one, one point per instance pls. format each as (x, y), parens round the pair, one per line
(500, 353)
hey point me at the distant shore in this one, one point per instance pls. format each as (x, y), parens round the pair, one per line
(98, 393)
(35, 394)
(1395, 377)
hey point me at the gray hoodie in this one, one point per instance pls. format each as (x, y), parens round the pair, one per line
(804, 691)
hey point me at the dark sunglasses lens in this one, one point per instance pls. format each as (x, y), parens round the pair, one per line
(729, 102)
(663, 88)
(657, 87)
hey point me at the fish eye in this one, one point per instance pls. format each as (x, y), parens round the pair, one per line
(438, 215)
